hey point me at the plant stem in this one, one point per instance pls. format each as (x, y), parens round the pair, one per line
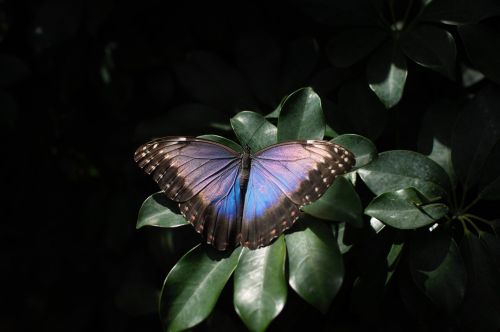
(470, 222)
(471, 204)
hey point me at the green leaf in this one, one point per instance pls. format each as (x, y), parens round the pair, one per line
(459, 11)
(431, 47)
(405, 209)
(301, 116)
(491, 191)
(193, 286)
(254, 130)
(482, 298)
(260, 287)
(489, 181)
(316, 268)
(158, 210)
(222, 140)
(329, 132)
(340, 232)
(438, 270)
(482, 44)
(359, 110)
(350, 46)
(363, 149)
(393, 259)
(476, 132)
(399, 169)
(386, 73)
(435, 135)
(339, 203)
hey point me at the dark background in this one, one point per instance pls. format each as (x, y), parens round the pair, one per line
(82, 85)
(85, 83)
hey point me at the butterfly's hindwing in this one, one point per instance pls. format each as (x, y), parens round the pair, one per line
(214, 211)
(267, 213)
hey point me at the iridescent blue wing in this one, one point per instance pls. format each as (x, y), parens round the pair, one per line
(204, 177)
(284, 177)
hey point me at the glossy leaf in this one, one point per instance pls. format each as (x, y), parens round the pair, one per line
(405, 209)
(158, 210)
(254, 130)
(341, 231)
(399, 169)
(225, 141)
(437, 268)
(431, 47)
(482, 298)
(436, 133)
(193, 286)
(460, 11)
(339, 203)
(316, 268)
(260, 287)
(386, 74)
(489, 181)
(363, 149)
(482, 44)
(350, 46)
(476, 132)
(360, 111)
(491, 191)
(329, 132)
(392, 259)
(301, 116)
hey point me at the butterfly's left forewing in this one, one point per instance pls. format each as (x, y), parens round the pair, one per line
(203, 177)
(284, 177)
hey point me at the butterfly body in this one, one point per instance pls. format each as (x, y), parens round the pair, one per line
(242, 198)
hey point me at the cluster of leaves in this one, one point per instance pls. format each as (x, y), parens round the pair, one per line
(412, 191)
(415, 226)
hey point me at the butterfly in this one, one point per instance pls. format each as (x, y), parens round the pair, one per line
(242, 198)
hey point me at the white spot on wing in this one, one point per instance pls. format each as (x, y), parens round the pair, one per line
(155, 145)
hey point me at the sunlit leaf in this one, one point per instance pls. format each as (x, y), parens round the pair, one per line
(158, 210)
(193, 286)
(316, 268)
(260, 287)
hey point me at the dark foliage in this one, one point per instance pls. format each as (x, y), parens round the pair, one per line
(85, 82)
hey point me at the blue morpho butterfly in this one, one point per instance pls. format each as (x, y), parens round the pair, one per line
(242, 198)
